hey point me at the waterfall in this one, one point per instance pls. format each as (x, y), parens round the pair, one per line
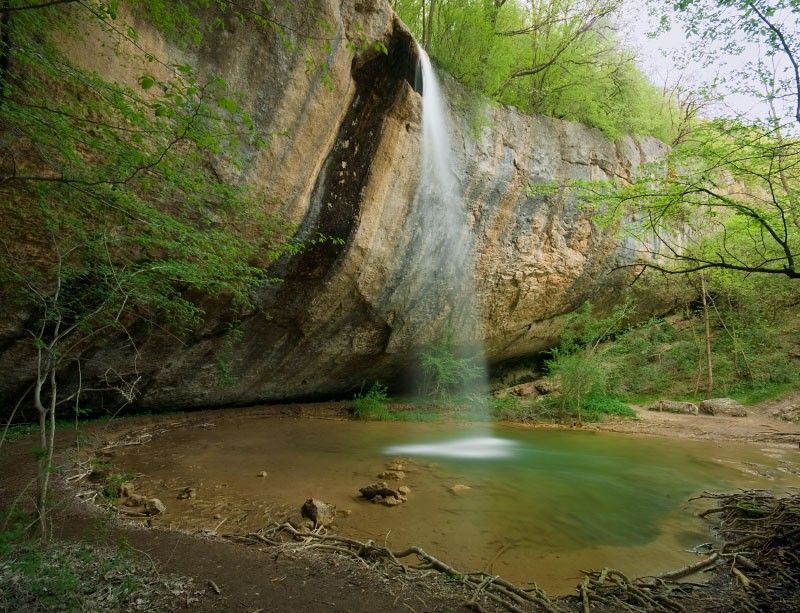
(443, 265)
(447, 239)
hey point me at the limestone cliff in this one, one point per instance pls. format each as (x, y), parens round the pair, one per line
(344, 161)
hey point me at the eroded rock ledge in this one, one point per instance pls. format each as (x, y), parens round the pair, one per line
(345, 162)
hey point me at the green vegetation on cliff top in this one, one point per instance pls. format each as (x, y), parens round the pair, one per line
(561, 58)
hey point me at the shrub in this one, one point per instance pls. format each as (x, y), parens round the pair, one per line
(372, 405)
(598, 405)
(445, 373)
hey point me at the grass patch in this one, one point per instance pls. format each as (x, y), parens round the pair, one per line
(372, 405)
(754, 395)
(61, 576)
(598, 406)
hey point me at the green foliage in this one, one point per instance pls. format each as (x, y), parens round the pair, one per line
(447, 374)
(372, 405)
(80, 577)
(112, 485)
(754, 327)
(115, 213)
(714, 183)
(20, 431)
(12, 530)
(581, 374)
(560, 58)
(598, 405)
(726, 196)
(514, 409)
(224, 356)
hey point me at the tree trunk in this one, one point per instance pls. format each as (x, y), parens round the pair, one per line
(428, 30)
(709, 362)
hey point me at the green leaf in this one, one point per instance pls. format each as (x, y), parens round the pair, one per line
(146, 81)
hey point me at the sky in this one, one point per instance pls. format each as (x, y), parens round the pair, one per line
(658, 57)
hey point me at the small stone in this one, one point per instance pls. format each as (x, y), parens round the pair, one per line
(673, 406)
(262, 474)
(154, 507)
(187, 492)
(321, 513)
(404, 489)
(547, 386)
(392, 501)
(458, 488)
(217, 516)
(395, 465)
(377, 498)
(392, 475)
(126, 490)
(135, 500)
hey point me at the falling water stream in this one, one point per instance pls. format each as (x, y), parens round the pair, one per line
(447, 248)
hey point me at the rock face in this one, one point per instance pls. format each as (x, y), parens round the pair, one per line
(344, 162)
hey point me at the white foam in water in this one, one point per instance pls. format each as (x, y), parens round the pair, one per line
(479, 447)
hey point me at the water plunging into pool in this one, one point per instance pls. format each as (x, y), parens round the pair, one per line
(446, 246)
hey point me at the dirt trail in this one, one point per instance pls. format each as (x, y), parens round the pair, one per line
(762, 424)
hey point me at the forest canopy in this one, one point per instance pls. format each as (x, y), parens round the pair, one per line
(561, 58)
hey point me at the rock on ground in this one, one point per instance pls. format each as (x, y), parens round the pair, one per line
(673, 406)
(723, 406)
(154, 507)
(381, 493)
(321, 513)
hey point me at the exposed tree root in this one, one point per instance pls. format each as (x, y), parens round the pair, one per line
(756, 568)
(481, 585)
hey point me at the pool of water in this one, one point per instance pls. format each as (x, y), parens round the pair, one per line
(539, 505)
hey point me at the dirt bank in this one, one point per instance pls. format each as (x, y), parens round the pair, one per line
(761, 425)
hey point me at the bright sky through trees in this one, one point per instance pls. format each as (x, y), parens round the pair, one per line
(670, 59)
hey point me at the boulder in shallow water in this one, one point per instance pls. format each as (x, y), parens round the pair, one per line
(392, 475)
(723, 406)
(154, 507)
(674, 406)
(380, 493)
(321, 513)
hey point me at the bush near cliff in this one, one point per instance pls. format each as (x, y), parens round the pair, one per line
(116, 220)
